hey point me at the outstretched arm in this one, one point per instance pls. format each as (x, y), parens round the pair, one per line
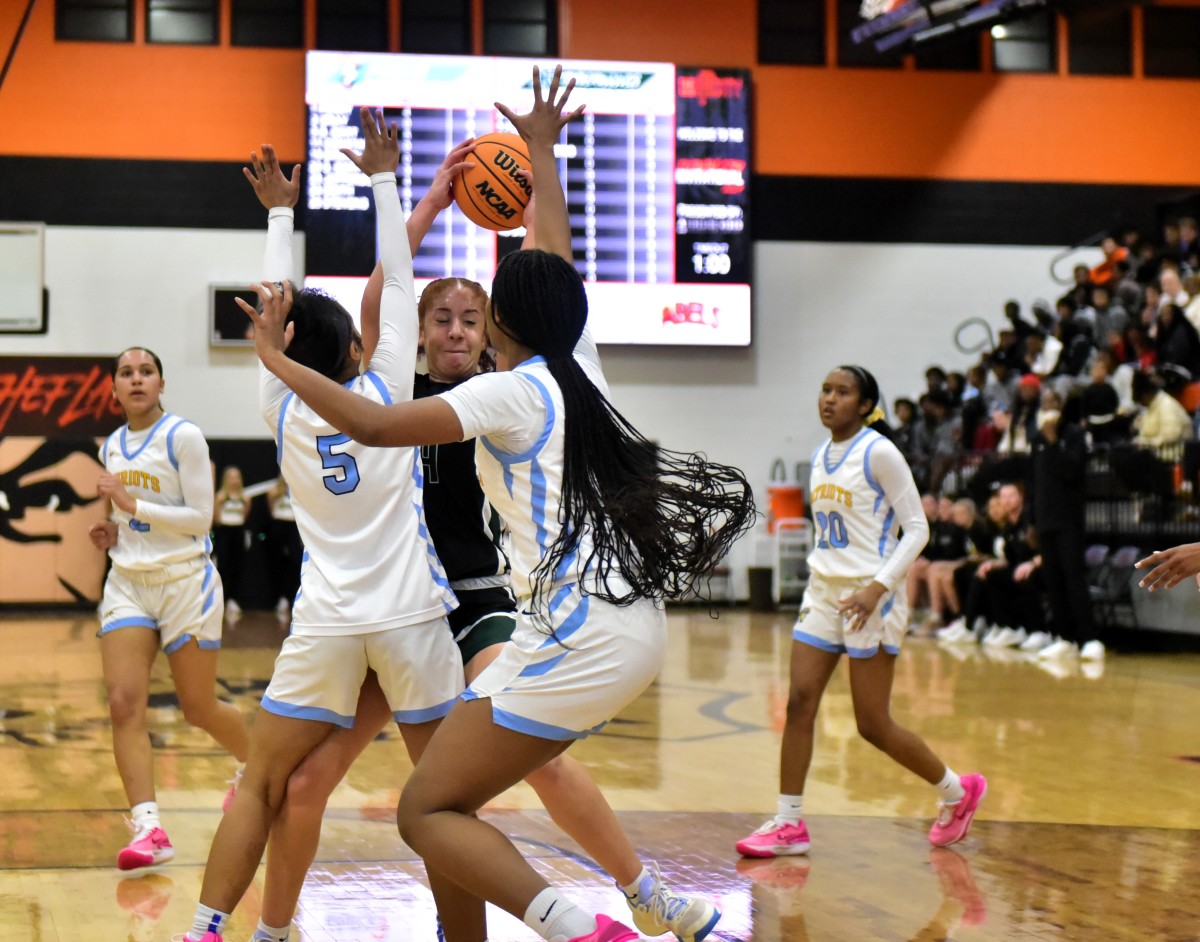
(439, 196)
(540, 129)
(423, 422)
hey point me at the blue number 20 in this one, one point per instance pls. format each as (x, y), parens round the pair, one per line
(833, 531)
(344, 476)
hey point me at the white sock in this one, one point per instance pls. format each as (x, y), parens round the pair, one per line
(951, 787)
(145, 815)
(789, 809)
(265, 933)
(552, 916)
(207, 920)
(642, 888)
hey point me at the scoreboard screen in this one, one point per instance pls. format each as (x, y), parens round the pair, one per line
(655, 172)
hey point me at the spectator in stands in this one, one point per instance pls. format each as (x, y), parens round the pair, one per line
(1189, 246)
(1105, 272)
(1151, 295)
(1021, 329)
(1164, 421)
(1082, 289)
(1042, 352)
(1055, 486)
(944, 427)
(1147, 466)
(935, 379)
(1014, 608)
(1070, 373)
(1172, 290)
(907, 432)
(1127, 291)
(1111, 317)
(1001, 388)
(1147, 263)
(956, 522)
(956, 386)
(1176, 341)
(1100, 402)
(978, 433)
(1019, 424)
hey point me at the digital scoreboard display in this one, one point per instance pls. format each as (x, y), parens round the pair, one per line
(656, 173)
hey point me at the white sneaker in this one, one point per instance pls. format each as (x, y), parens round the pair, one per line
(656, 910)
(1092, 670)
(1059, 649)
(994, 634)
(1036, 641)
(1012, 638)
(956, 628)
(954, 634)
(1092, 651)
(232, 608)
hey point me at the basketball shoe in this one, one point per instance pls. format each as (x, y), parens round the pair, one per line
(954, 821)
(148, 847)
(207, 937)
(774, 839)
(607, 930)
(657, 910)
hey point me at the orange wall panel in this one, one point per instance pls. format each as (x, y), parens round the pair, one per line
(138, 100)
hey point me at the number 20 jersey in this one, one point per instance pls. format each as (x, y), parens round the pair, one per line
(855, 524)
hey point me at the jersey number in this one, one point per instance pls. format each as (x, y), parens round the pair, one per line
(833, 531)
(343, 476)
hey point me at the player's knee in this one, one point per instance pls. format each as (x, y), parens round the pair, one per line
(126, 707)
(309, 787)
(875, 730)
(802, 706)
(200, 712)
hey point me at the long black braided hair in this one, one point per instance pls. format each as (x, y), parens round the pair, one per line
(659, 520)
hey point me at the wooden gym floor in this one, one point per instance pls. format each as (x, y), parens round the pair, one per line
(1091, 828)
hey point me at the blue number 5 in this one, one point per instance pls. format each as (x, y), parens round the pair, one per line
(344, 476)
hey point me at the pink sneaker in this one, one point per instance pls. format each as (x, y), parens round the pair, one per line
(207, 937)
(607, 930)
(954, 821)
(145, 850)
(775, 840)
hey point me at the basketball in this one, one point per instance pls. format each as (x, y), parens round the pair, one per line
(491, 193)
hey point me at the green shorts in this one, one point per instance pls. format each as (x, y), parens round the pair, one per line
(484, 617)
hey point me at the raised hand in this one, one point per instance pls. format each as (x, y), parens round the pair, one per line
(272, 333)
(270, 185)
(382, 151)
(545, 121)
(441, 191)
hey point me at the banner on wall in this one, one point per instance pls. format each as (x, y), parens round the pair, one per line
(53, 413)
(57, 397)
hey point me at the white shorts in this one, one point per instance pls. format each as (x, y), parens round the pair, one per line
(318, 677)
(820, 624)
(563, 689)
(182, 602)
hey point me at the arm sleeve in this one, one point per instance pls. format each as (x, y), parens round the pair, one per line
(889, 470)
(396, 352)
(589, 358)
(194, 516)
(277, 266)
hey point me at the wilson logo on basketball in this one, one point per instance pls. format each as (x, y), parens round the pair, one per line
(509, 164)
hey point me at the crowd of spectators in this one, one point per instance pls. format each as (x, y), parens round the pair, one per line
(1001, 448)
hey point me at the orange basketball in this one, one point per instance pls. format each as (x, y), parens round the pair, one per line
(491, 193)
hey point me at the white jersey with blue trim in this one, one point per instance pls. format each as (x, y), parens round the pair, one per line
(863, 494)
(369, 562)
(166, 469)
(517, 417)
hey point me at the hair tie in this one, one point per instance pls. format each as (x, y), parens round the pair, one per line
(875, 415)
